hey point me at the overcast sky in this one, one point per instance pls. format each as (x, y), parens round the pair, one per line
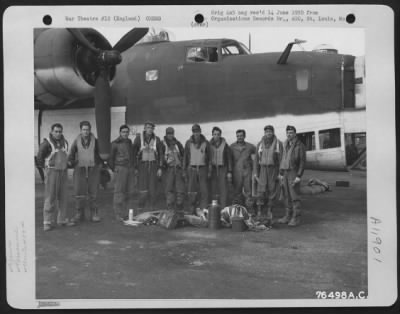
(267, 39)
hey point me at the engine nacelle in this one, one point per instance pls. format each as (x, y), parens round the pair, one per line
(64, 70)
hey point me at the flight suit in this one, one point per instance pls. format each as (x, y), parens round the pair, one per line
(148, 158)
(85, 159)
(221, 165)
(53, 157)
(121, 163)
(242, 169)
(268, 159)
(174, 184)
(197, 165)
(292, 166)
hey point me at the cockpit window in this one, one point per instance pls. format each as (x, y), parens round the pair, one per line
(234, 49)
(230, 50)
(202, 54)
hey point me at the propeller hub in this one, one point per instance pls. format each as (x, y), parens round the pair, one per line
(109, 57)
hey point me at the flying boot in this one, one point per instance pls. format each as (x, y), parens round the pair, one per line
(285, 219)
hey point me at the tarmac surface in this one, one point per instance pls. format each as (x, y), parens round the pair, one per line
(326, 252)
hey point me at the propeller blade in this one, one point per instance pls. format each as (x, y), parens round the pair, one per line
(102, 100)
(131, 38)
(82, 39)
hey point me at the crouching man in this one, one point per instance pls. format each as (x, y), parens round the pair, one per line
(84, 157)
(291, 170)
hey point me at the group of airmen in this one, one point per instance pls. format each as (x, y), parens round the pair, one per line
(198, 169)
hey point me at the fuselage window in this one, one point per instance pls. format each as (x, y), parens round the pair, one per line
(202, 54)
(302, 79)
(329, 138)
(152, 75)
(308, 139)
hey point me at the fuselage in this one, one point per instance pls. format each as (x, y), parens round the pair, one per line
(218, 82)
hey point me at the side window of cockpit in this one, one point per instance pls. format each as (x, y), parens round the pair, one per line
(230, 50)
(202, 54)
(308, 139)
(329, 138)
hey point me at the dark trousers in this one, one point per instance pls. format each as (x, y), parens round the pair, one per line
(198, 184)
(292, 200)
(267, 185)
(86, 186)
(56, 196)
(242, 183)
(219, 184)
(124, 187)
(147, 182)
(174, 186)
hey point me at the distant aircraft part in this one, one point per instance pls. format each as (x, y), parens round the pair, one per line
(156, 34)
(359, 78)
(325, 48)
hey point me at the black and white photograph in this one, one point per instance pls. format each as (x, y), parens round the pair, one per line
(206, 162)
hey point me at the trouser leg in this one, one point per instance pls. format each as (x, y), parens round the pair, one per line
(215, 193)
(131, 188)
(50, 197)
(93, 187)
(238, 186)
(293, 189)
(286, 189)
(143, 184)
(247, 186)
(288, 199)
(193, 187)
(222, 187)
(271, 191)
(261, 190)
(62, 196)
(120, 184)
(260, 202)
(152, 184)
(219, 185)
(80, 191)
(294, 194)
(180, 189)
(170, 187)
(295, 220)
(203, 185)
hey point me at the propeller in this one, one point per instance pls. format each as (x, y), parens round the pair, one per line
(104, 60)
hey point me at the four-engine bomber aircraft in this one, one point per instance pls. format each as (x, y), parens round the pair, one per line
(78, 75)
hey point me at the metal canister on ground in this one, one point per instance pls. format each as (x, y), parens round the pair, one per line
(130, 215)
(238, 224)
(214, 215)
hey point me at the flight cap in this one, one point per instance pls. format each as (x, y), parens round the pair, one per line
(149, 123)
(196, 128)
(269, 127)
(290, 128)
(169, 130)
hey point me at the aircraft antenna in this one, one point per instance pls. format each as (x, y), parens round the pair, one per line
(250, 41)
